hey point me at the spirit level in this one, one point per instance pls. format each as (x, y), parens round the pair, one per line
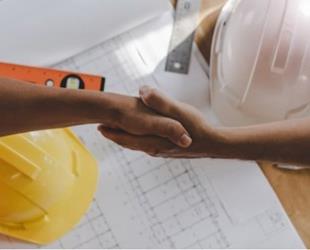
(52, 77)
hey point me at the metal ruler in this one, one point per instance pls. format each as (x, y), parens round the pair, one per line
(183, 34)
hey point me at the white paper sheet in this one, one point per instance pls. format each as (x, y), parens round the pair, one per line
(43, 32)
(145, 202)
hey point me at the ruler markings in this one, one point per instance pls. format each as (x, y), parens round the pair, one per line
(183, 35)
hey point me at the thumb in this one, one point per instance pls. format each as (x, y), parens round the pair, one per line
(160, 103)
(186, 114)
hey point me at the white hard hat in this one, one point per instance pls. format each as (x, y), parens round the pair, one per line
(260, 61)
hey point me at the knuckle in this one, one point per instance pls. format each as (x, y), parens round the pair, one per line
(117, 116)
(121, 141)
(151, 95)
(179, 127)
(171, 128)
(150, 154)
(118, 141)
(153, 151)
(174, 129)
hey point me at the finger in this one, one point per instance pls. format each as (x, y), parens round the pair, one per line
(159, 102)
(155, 125)
(166, 106)
(171, 129)
(159, 126)
(148, 144)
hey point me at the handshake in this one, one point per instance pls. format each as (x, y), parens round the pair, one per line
(152, 123)
(160, 126)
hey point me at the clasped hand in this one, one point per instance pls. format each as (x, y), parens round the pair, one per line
(160, 126)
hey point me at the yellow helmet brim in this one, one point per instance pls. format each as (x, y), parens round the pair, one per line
(64, 214)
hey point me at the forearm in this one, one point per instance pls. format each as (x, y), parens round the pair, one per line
(28, 107)
(283, 142)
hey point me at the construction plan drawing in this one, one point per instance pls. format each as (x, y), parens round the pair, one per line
(146, 202)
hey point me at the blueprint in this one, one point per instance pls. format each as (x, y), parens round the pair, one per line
(145, 202)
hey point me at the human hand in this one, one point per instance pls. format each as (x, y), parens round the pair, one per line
(129, 116)
(206, 141)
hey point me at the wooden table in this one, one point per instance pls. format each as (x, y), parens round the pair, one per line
(290, 186)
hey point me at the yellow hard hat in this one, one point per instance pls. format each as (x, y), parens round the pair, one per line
(47, 182)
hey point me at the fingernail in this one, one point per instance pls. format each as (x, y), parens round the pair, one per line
(144, 90)
(185, 140)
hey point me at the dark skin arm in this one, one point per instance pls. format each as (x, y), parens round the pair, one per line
(282, 142)
(27, 107)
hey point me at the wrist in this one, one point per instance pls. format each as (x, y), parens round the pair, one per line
(86, 106)
(212, 143)
(227, 144)
(237, 144)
